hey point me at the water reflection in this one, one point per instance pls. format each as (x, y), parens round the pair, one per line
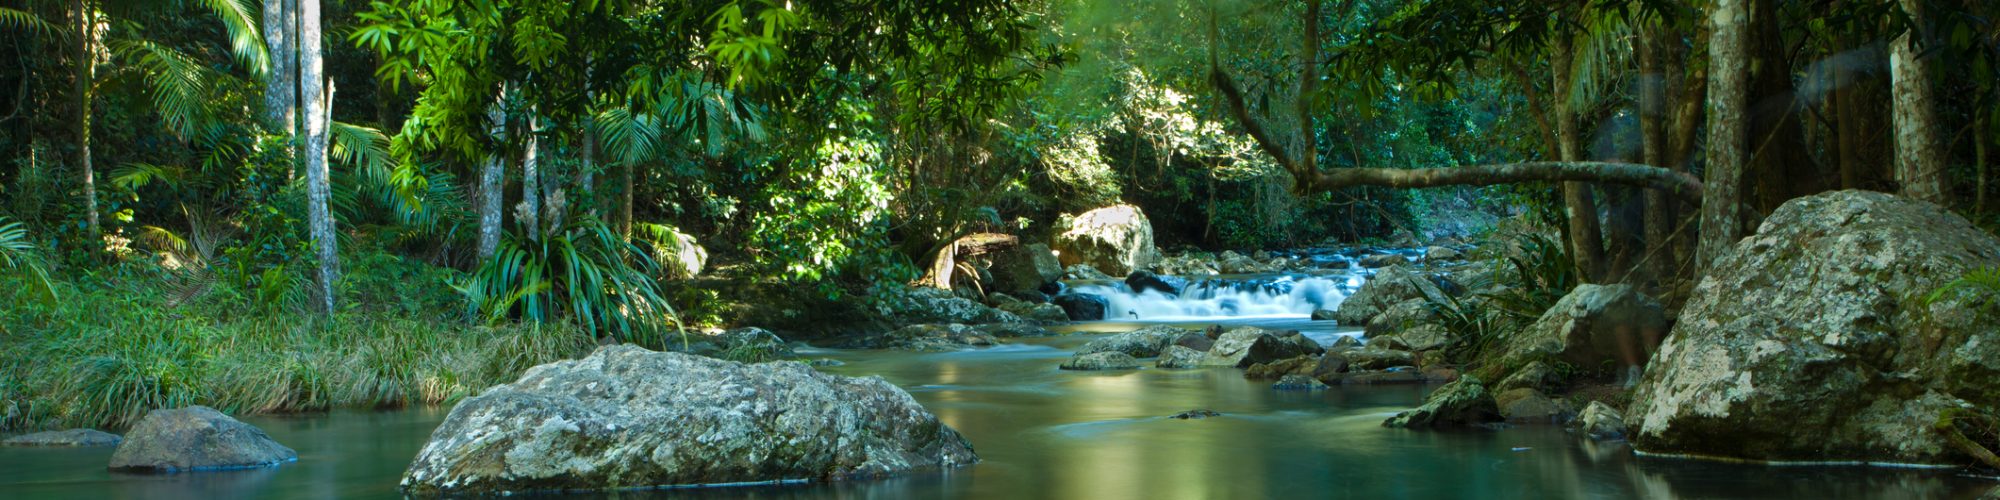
(1046, 433)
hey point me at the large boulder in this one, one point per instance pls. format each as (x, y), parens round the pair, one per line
(196, 438)
(932, 305)
(625, 417)
(1116, 239)
(1387, 288)
(1178, 356)
(1082, 306)
(741, 344)
(1600, 422)
(1025, 268)
(1402, 316)
(1247, 346)
(65, 438)
(1584, 328)
(1815, 339)
(1462, 403)
(1142, 343)
(1426, 337)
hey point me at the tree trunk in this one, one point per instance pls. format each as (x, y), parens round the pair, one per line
(625, 195)
(1919, 155)
(1658, 212)
(1780, 162)
(530, 209)
(282, 79)
(1586, 234)
(318, 93)
(1678, 184)
(1728, 137)
(493, 182)
(86, 76)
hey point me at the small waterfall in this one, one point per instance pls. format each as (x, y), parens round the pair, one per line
(1275, 296)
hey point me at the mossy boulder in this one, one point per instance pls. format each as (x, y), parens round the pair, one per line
(625, 417)
(1462, 403)
(1814, 339)
(196, 438)
(1585, 327)
(1142, 343)
(1387, 288)
(1109, 360)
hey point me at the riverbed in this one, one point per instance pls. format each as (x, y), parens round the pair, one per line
(1046, 433)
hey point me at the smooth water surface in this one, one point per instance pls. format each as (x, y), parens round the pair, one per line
(1046, 433)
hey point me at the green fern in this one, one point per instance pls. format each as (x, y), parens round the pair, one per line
(1983, 283)
(18, 252)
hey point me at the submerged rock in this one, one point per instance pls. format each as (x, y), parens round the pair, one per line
(1195, 414)
(1601, 422)
(1178, 356)
(1464, 403)
(71, 437)
(1816, 339)
(627, 417)
(1110, 360)
(1142, 343)
(1116, 239)
(196, 438)
(1082, 306)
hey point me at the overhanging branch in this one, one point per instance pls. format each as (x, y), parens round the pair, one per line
(1679, 184)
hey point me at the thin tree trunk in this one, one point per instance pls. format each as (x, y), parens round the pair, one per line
(625, 206)
(86, 76)
(1919, 155)
(1658, 211)
(281, 82)
(1729, 140)
(1979, 162)
(1586, 233)
(492, 182)
(531, 190)
(318, 92)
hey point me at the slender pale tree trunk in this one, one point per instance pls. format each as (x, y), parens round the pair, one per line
(1919, 154)
(1580, 205)
(531, 190)
(1728, 132)
(318, 93)
(630, 171)
(492, 183)
(88, 39)
(281, 82)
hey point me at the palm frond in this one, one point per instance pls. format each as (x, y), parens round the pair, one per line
(178, 83)
(239, 21)
(29, 22)
(19, 252)
(1603, 50)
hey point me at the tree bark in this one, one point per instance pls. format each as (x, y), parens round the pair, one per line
(1586, 233)
(281, 81)
(1919, 154)
(530, 209)
(318, 115)
(88, 39)
(1658, 211)
(1728, 142)
(625, 204)
(493, 181)
(1779, 161)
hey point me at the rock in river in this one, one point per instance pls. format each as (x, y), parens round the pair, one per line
(1142, 343)
(1082, 306)
(1816, 339)
(1112, 360)
(196, 438)
(1179, 356)
(1463, 403)
(72, 437)
(1247, 346)
(627, 417)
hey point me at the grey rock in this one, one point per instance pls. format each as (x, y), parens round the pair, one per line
(1601, 422)
(1141, 281)
(1584, 328)
(925, 338)
(1084, 272)
(1245, 346)
(1331, 368)
(1111, 360)
(1816, 339)
(1383, 260)
(1323, 315)
(1302, 365)
(1178, 357)
(1142, 343)
(1402, 316)
(196, 438)
(1025, 268)
(1526, 405)
(1463, 403)
(1376, 358)
(1116, 239)
(1298, 383)
(1041, 313)
(1195, 414)
(65, 438)
(1440, 254)
(1387, 288)
(1536, 375)
(1013, 330)
(1197, 341)
(1344, 342)
(625, 417)
(1425, 337)
(1082, 306)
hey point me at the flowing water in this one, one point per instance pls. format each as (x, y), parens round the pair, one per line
(1046, 433)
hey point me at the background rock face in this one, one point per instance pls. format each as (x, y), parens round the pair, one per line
(625, 417)
(1583, 328)
(1116, 239)
(196, 438)
(1813, 339)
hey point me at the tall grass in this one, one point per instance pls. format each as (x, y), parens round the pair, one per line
(111, 351)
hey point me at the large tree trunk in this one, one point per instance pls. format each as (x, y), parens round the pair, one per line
(1919, 154)
(492, 182)
(1728, 137)
(1586, 236)
(88, 39)
(318, 93)
(531, 190)
(1653, 111)
(282, 79)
